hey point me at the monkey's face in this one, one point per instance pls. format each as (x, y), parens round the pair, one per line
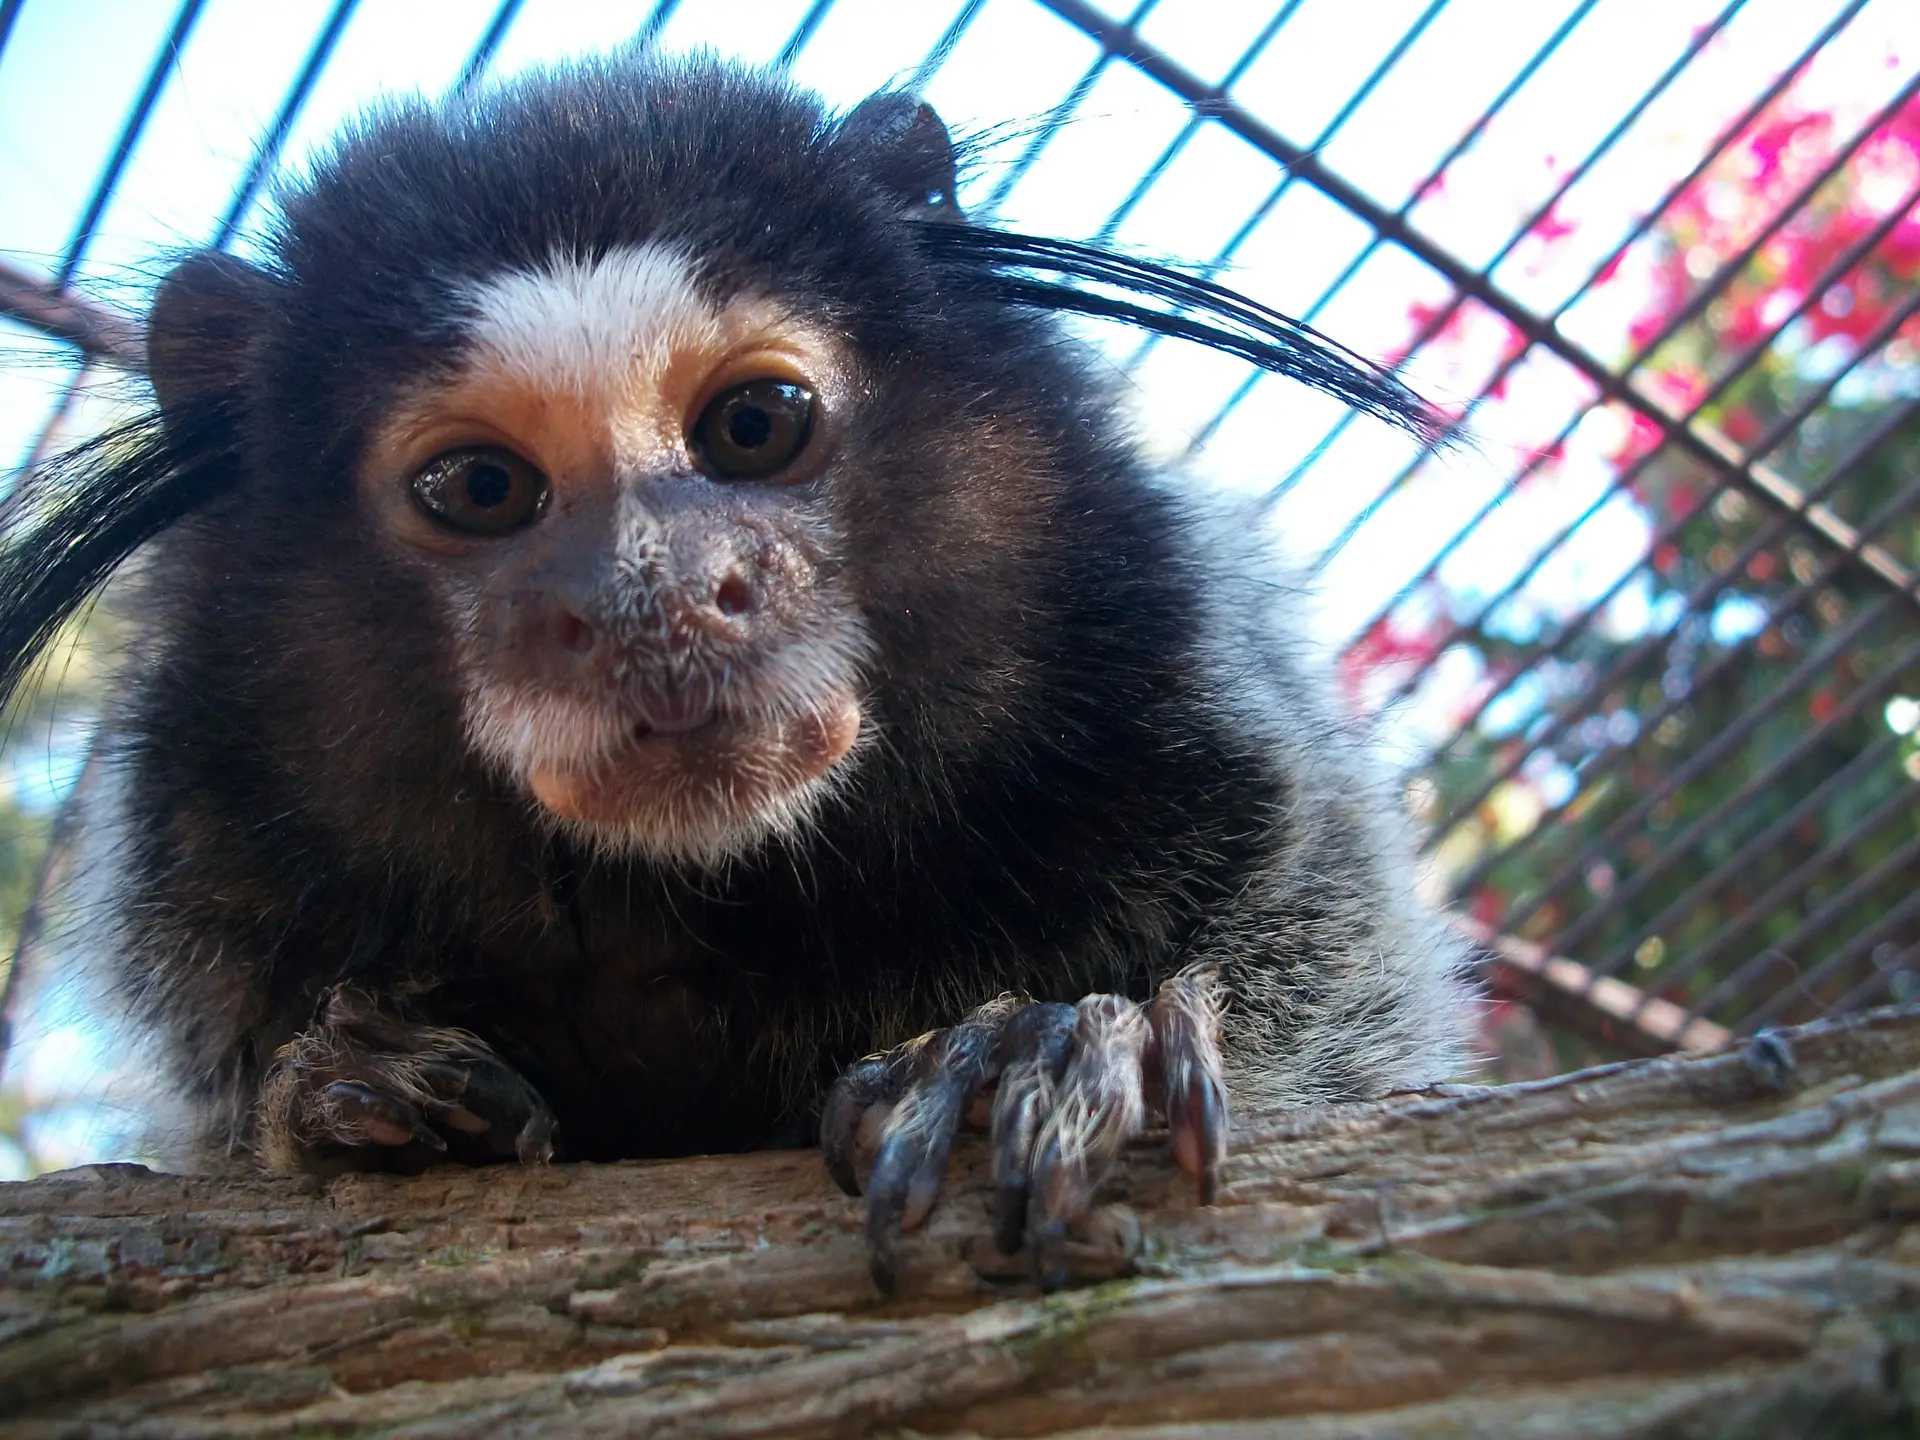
(609, 496)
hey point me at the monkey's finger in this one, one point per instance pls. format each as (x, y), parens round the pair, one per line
(357, 1114)
(1183, 1054)
(1033, 1052)
(355, 1020)
(854, 1118)
(1098, 1106)
(862, 1094)
(484, 1097)
(907, 1169)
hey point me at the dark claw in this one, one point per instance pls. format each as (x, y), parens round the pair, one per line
(538, 1139)
(1021, 1106)
(1199, 1130)
(1049, 1242)
(886, 1204)
(1074, 1087)
(511, 1114)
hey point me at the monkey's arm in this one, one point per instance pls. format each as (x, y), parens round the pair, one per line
(362, 1089)
(1064, 1088)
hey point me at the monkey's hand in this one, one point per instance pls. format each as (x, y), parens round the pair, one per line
(1070, 1085)
(362, 1090)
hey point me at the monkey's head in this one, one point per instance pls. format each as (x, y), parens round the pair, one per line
(651, 453)
(632, 391)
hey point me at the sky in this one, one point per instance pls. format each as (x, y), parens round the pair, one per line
(72, 67)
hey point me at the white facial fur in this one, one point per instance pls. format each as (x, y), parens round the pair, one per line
(603, 331)
(591, 367)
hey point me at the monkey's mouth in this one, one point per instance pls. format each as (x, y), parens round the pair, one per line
(689, 766)
(678, 712)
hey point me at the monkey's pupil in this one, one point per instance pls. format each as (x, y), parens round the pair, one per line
(749, 427)
(489, 485)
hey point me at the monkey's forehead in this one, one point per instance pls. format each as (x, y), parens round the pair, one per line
(574, 325)
(421, 203)
(599, 364)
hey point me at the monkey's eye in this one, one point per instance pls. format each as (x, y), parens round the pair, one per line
(753, 430)
(481, 491)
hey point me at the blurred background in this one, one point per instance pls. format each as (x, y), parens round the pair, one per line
(1644, 647)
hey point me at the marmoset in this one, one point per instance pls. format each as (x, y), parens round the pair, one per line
(655, 639)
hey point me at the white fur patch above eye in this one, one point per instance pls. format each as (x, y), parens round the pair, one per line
(592, 325)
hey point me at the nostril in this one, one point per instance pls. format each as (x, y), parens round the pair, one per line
(575, 634)
(733, 597)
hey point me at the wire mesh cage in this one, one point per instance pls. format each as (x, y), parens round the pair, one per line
(1645, 642)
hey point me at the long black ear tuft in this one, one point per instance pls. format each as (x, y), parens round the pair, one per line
(903, 145)
(73, 523)
(1187, 307)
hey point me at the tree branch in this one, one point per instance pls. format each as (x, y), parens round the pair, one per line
(1687, 1245)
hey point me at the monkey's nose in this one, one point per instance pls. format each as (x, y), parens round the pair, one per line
(733, 596)
(714, 603)
(720, 609)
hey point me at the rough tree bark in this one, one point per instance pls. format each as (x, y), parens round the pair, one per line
(1705, 1246)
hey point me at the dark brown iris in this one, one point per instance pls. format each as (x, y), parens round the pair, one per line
(753, 431)
(481, 491)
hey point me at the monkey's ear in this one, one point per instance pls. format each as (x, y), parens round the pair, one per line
(202, 325)
(905, 148)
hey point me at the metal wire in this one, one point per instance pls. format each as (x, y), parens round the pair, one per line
(267, 155)
(1871, 760)
(1777, 609)
(802, 33)
(1387, 224)
(1697, 600)
(482, 54)
(1193, 125)
(1676, 429)
(1279, 490)
(942, 50)
(1434, 326)
(1883, 978)
(1894, 868)
(1804, 875)
(1113, 42)
(9, 12)
(129, 137)
(1723, 744)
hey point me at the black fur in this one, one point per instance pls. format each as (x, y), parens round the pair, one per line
(1065, 795)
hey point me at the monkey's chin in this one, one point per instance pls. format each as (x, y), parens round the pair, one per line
(704, 794)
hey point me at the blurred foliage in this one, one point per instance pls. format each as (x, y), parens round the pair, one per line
(1742, 701)
(43, 743)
